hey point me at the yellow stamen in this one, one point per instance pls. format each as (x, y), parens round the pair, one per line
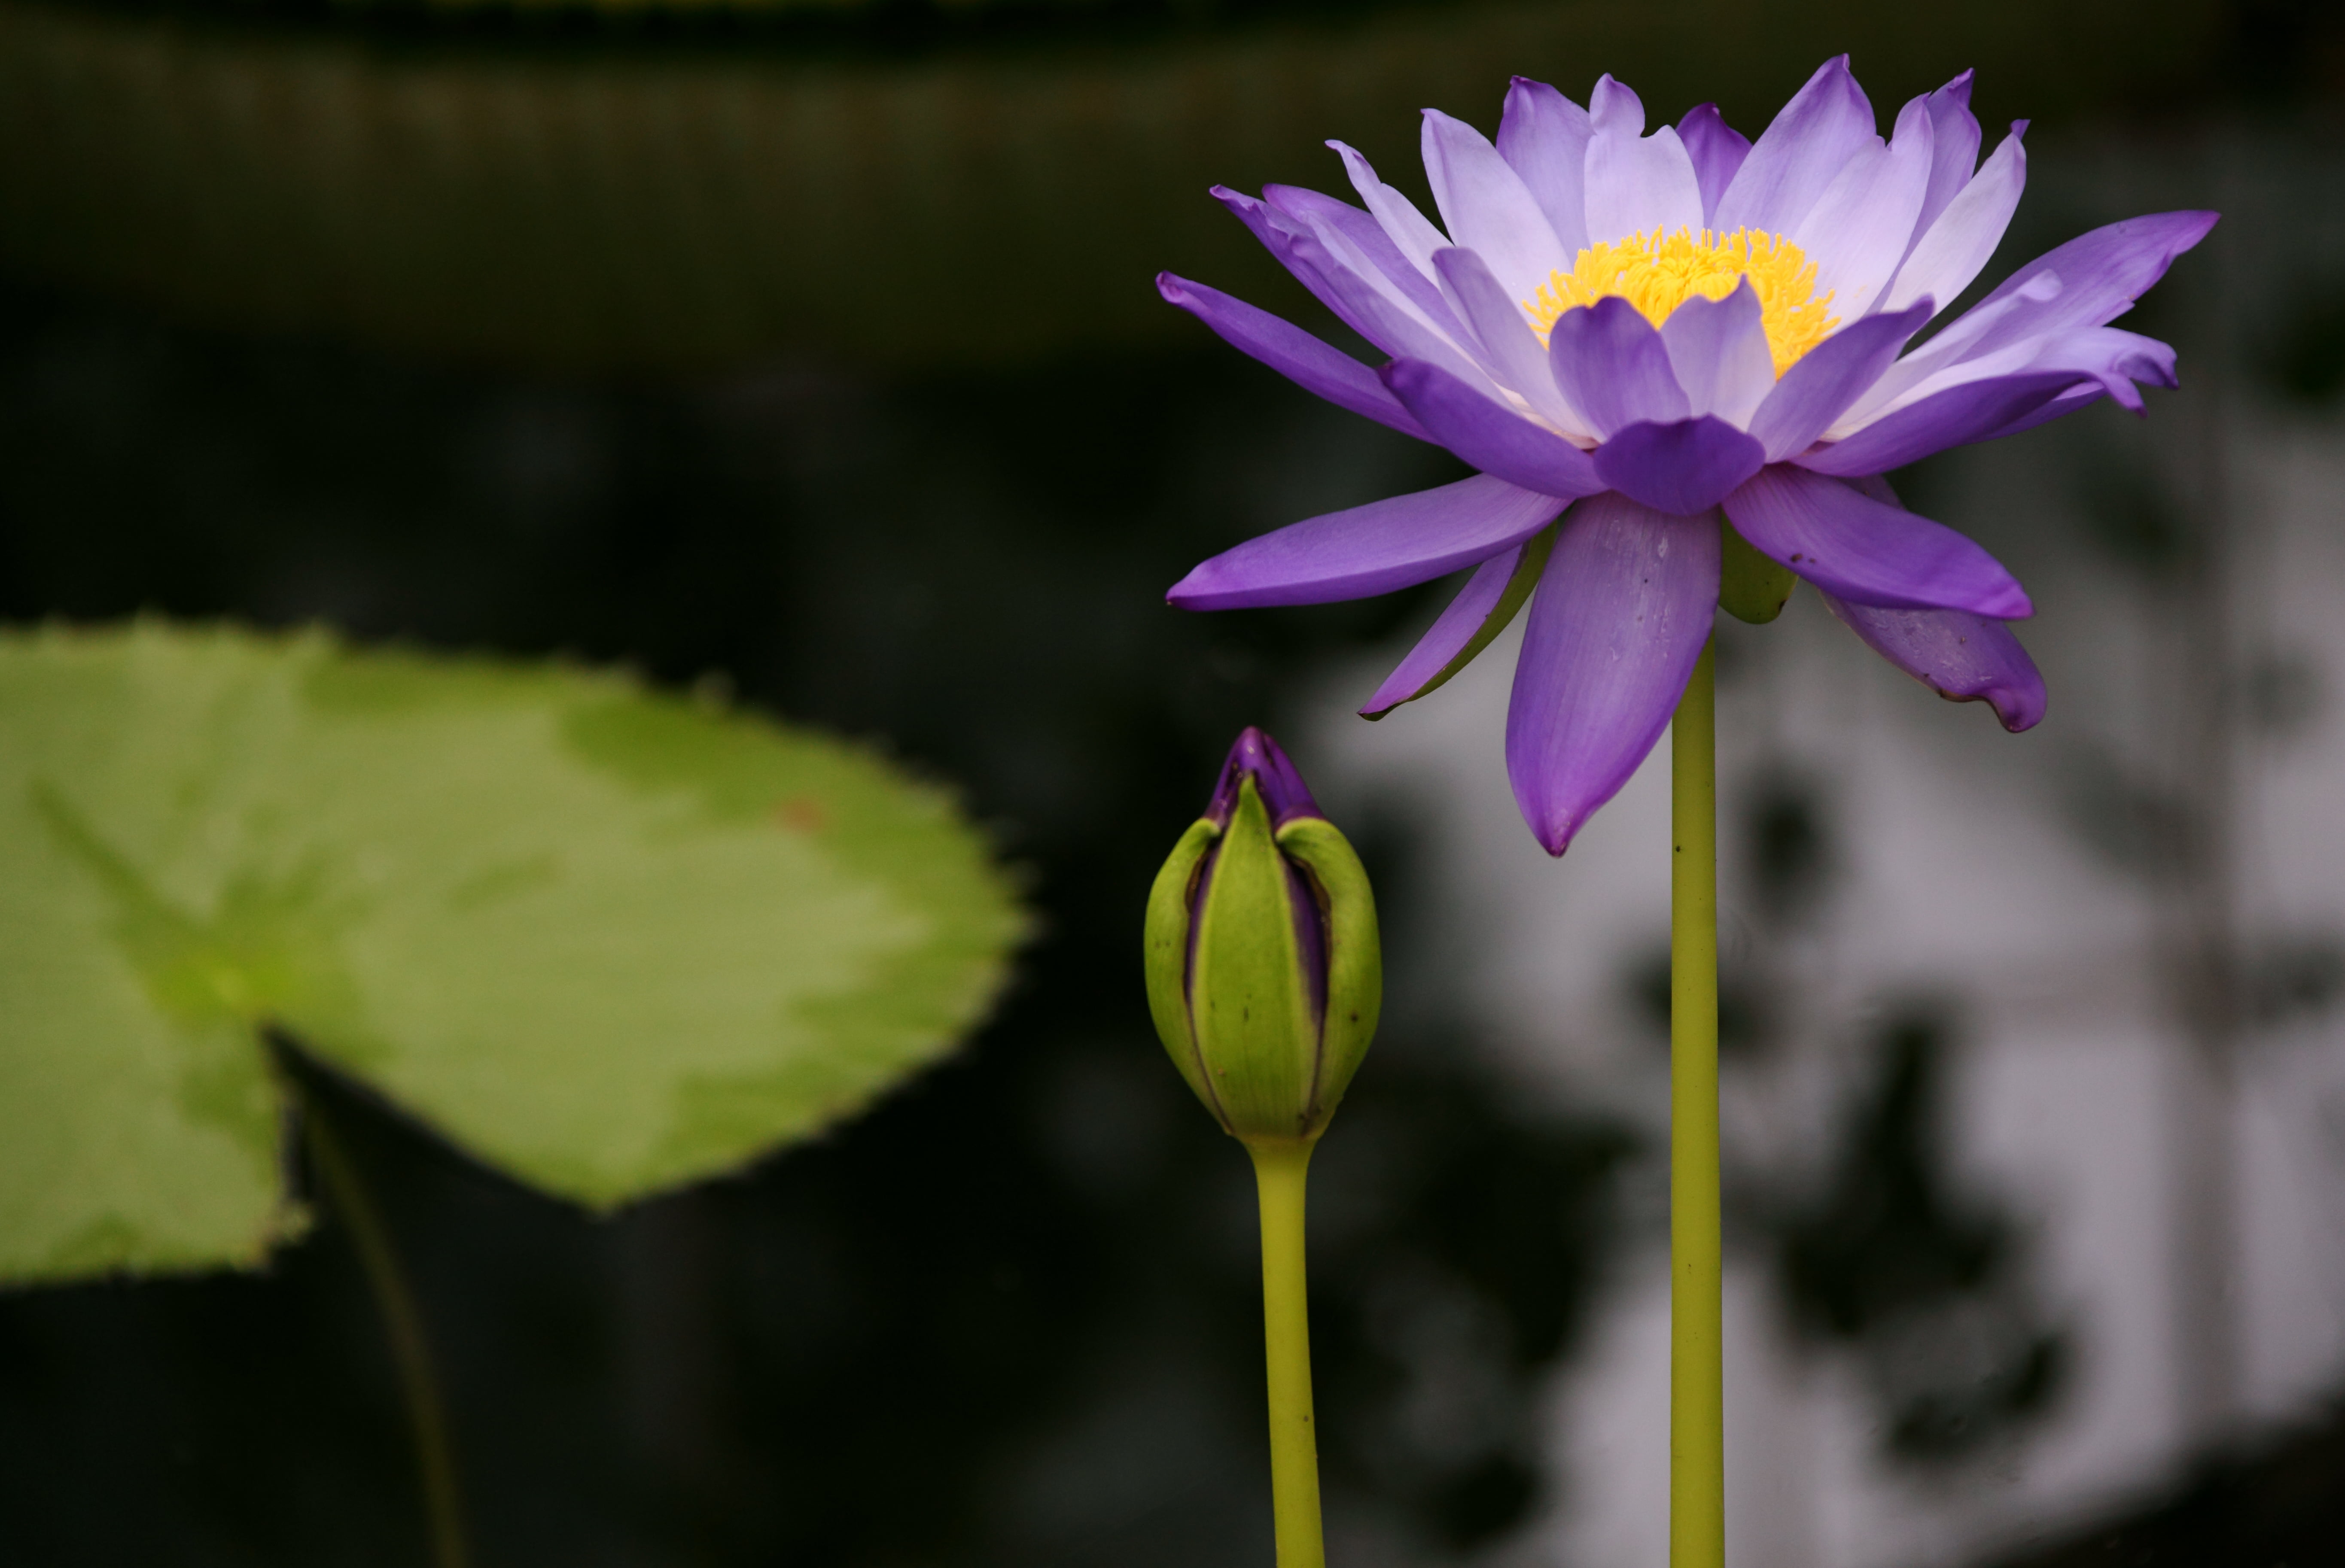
(1658, 273)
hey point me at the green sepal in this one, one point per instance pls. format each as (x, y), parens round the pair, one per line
(1750, 586)
(1166, 942)
(1519, 584)
(1355, 964)
(1250, 1001)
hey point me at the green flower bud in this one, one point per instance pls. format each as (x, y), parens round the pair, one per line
(1265, 974)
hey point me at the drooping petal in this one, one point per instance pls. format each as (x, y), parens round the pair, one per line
(1684, 465)
(1958, 242)
(1954, 146)
(1486, 207)
(1309, 211)
(1970, 411)
(1717, 150)
(1612, 366)
(1480, 612)
(1828, 122)
(1409, 229)
(1396, 542)
(1833, 375)
(1719, 354)
(1963, 658)
(1504, 337)
(1618, 620)
(1861, 227)
(1491, 436)
(1315, 367)
(1543, 136)
(1868, 550)
(1636, 183)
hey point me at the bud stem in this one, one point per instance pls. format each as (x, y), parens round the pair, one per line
(1697, 1411)
(1279, 1165)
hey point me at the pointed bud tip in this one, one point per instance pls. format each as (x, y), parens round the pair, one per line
(1282, 789)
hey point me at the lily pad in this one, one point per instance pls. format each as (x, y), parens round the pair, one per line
(606, 940)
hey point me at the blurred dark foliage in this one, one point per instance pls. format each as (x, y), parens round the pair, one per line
(2276, 1505)
(1012, 1315)
(1927, 1280)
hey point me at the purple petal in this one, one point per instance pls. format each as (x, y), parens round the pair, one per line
(1282, 791)
(1863, 225)
(1491, 436)
(1868, 550)
(1396, 542)
(1314, 366)
(1309, 210)
(1719, 354)
(1828, 122)
(1833, 375)
(1504, 335)
(1486, 206)
(1682, 466)
(1409, 229)
(1299, 254)
(1952, 244)
(1970, 411)
(1954, 147)
(1544, 137)
(1636, 183)
(1963, 658)
(1478, 613)
(2081, 395)
(2087, 282)
(1613, 366)
(1619, 618)
(1717, 149)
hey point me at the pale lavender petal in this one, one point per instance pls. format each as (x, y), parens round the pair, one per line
(1828, 122)
(2113, 357)
(1314, 366)
(1309, 210)
(1636, 183)
(1958, 241)
(1832, 376)
(1719, 353)
(2087, 282)
(1492, 436)
(1682, 466)
(1486, 207)
(1612, 366)
(1396, 542)
(1390, 319)
(1863, 225)
(1963, 658)
(1717, 149)
(1971, 411)
(1868, 550)
(1409, 229)
(1480, 612)
(1509, 345)
(1544, 137)
(1954, 146)
(1619, 621)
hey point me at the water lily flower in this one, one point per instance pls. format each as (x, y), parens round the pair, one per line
(1648, 328)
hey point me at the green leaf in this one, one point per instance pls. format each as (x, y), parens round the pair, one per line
(607, 941)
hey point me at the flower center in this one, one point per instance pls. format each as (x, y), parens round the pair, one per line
(1657, 273)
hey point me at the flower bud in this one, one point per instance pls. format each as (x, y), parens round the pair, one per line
(1264, 971)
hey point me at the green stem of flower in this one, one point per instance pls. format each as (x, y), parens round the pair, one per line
(346, 1191)
(1697, 1411)
(1279, 1165)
